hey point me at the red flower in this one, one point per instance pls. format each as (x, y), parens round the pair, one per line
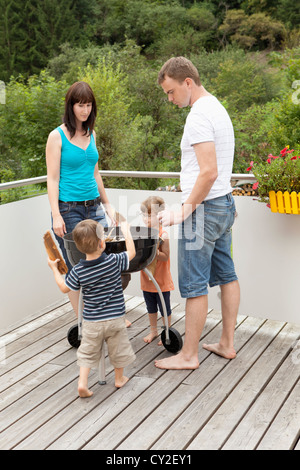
(294, 158)
(255, 186)
(283, 151)
(251, 165)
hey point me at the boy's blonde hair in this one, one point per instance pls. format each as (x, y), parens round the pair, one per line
(153, 204)
(87, 234)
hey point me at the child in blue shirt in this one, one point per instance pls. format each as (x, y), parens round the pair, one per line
(99, 276)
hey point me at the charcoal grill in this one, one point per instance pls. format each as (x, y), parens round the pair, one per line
(145, 240)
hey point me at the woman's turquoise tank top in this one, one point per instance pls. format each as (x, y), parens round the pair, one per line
(77, 181)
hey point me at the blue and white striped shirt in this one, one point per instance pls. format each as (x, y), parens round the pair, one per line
(101, 285)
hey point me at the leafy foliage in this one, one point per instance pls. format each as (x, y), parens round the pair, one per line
(118, 46)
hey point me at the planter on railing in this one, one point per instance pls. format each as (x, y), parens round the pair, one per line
(285, 203)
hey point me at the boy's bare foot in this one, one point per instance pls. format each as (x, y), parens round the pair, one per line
(228, 353)
(150, 337)
(127, 323)
(84, 392)
(177, 362)
(122, 381)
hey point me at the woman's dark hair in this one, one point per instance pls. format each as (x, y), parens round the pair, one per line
(79, 92)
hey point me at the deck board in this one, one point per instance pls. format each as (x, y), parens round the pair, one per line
(251, 402)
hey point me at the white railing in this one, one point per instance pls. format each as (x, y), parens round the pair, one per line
(120, 174)
(266, 252)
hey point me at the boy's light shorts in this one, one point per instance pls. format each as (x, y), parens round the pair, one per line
(114, 333)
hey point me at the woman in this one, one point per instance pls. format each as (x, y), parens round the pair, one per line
(75, 188)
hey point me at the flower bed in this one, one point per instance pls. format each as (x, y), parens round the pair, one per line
(277, 173)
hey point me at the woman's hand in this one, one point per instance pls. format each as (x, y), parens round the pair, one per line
(59, 227)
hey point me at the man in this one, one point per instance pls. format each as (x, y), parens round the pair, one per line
(207, 212)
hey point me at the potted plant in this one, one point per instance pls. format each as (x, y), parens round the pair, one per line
(278, 181)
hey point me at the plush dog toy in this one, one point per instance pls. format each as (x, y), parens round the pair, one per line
(53, 252)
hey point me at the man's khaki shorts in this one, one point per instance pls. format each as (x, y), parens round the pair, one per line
(114, 333)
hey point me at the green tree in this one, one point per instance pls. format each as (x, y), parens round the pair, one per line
(31, 111)
(258, 29)
(10, 37)
(244, 83)
(32, 31)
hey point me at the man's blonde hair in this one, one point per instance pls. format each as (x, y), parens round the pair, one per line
(87, 234)
(179, 68)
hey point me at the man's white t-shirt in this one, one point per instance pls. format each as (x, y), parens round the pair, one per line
(208, 121)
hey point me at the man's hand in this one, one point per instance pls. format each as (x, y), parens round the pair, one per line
(168, 218)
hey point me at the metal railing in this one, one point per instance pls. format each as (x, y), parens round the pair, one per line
(121, 174)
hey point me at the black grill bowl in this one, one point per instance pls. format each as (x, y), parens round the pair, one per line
(145, 242)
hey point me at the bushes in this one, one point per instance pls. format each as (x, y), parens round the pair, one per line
(31, 111)
(136, 127)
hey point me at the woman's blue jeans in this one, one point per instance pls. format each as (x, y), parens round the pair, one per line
(72, 213)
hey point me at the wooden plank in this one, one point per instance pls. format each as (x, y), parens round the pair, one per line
(227, 417)
(116, 401)
(92, 423)
(40, 407)
(246, 329)
(33, 357)
(284, 432)
(122, 425)
(24, 416)
(258, 419)
(62, 320)
(59, 404)
(187, 426)
(29, 321)
(73, 437)
(145, 435)
(25, 386)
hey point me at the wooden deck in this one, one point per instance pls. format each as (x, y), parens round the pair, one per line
(251, 402)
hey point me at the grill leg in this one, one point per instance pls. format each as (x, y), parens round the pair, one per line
(102, 380)
(162, 303)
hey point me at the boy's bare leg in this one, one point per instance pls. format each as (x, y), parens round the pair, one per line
(195, 317)
(153, 328)
(120, 379)
(230, 301)
(83, 390)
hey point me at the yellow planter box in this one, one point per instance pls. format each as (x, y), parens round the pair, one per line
(285, 203)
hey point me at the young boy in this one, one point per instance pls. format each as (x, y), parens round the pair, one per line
(99, 276)
(162, 274)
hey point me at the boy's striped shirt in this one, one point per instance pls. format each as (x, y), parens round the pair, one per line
(100, 280)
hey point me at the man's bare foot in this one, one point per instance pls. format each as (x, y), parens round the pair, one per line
(84, 392)
(120, 382)
(150, 337)
(228, 353)
(177, 362)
